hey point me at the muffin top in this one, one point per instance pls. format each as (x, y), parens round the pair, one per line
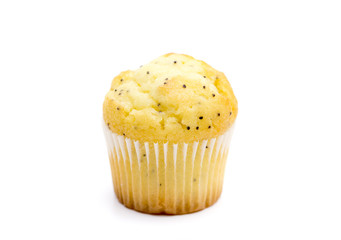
(174, 98)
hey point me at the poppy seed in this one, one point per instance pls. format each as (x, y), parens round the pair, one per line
(213, 94)
(197, 128)
(188, 127)
(201, 117)
(184, 86)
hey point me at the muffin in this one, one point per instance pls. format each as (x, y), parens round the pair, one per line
(168, 126)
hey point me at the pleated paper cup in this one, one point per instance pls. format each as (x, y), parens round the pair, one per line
(167, 178)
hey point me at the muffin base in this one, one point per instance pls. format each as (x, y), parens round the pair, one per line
(165, 178)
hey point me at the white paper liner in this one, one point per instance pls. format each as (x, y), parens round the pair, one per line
(167, 178)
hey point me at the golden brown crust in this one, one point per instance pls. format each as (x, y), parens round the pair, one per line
(174, 98)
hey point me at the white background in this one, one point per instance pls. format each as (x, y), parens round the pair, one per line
(283, 59)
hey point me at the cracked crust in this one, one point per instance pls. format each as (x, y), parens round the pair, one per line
(174, 98)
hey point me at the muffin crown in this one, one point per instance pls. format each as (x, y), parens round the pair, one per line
(174, 98)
